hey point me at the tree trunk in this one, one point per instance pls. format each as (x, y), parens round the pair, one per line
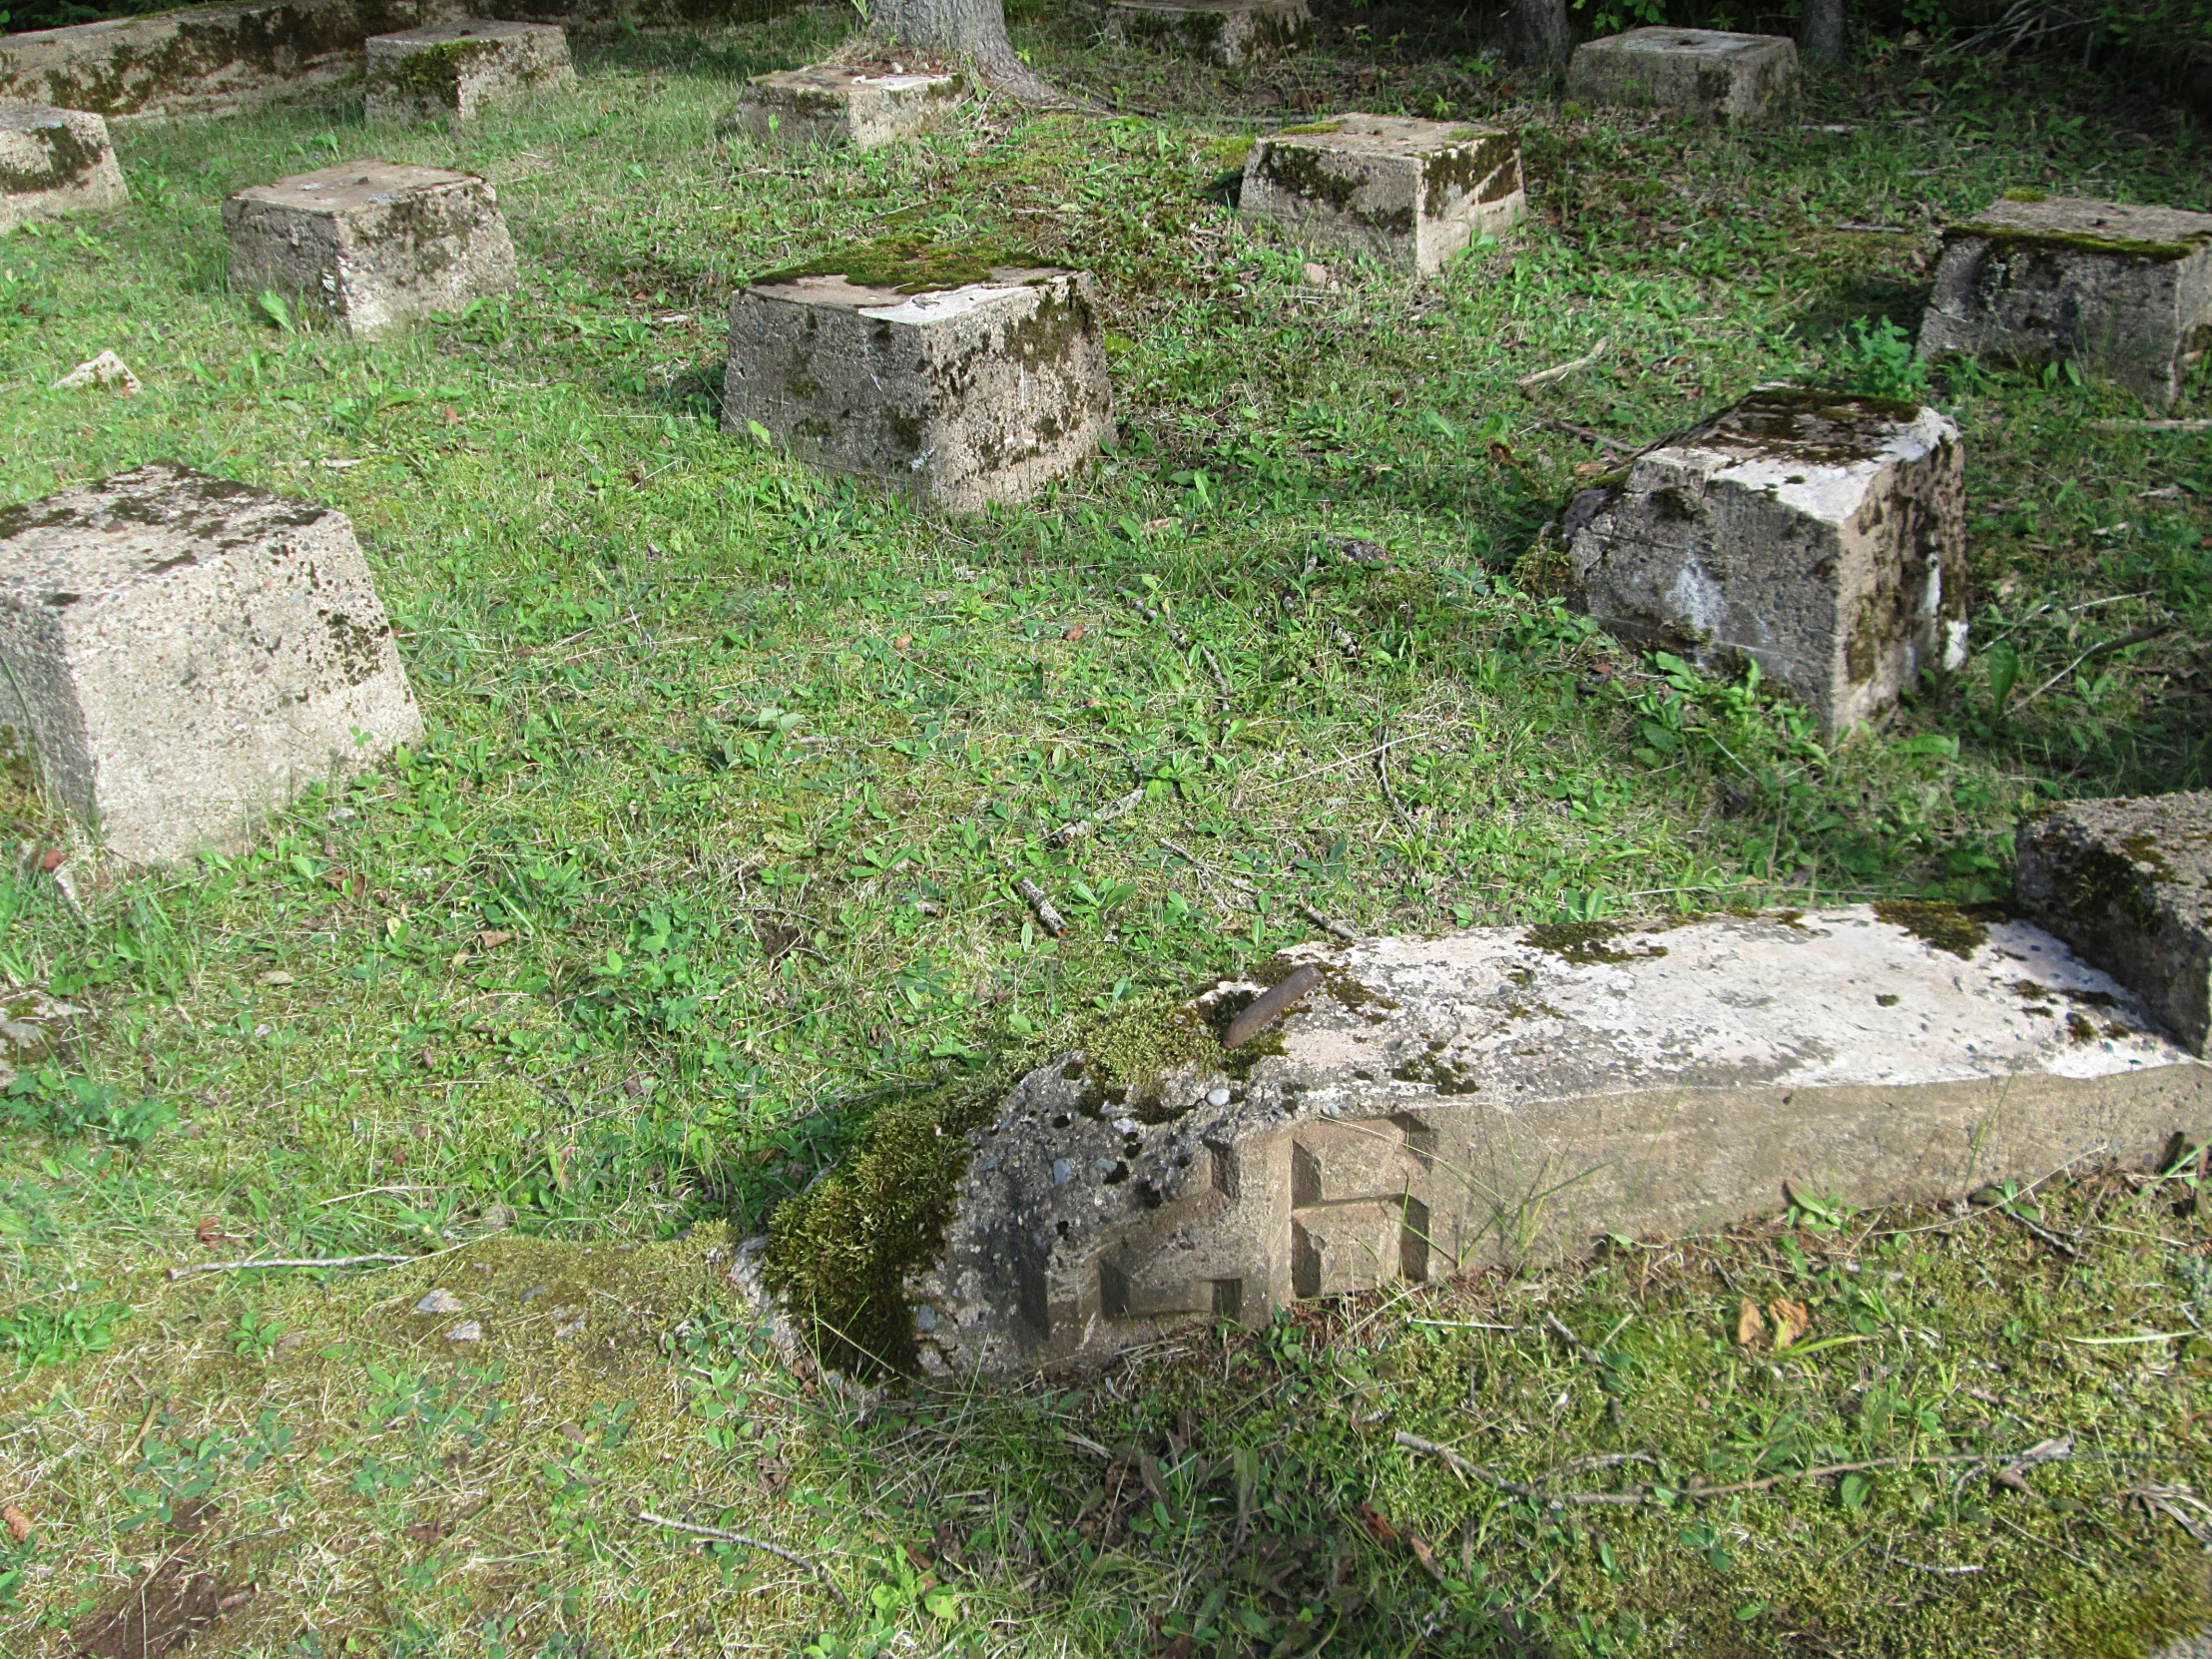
(973, 29)
(1536, 34)
(1819, 30)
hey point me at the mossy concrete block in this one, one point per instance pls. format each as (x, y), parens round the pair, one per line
(1711, 75)
(374, 246)
(1413, 193)
(1818, 534)
(2124, 292)
(204, 60)
(455, 71)
(1231, 33)
(1514, 1096)
(862, 106)
(55, 162)
(963, 395)
(184, 655)
(2129, 883)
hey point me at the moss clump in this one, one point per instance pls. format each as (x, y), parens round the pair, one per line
(1312, 129)
(1135, 1044)
(1587, 941)
(68, 158)
(1944, 926)
(2006, 239)
(840, 1252)
(2026, 196)
(910, 266)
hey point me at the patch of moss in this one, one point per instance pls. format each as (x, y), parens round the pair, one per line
(2026, 196)
(1312, 129)
(2005, 239)
(1949, 928)
(68, 158)
(1587, 941)
(910, 264)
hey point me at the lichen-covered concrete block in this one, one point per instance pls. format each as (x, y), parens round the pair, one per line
(963, 388)
(374, 246)
(1232, 33)
(2124, 292)
(1820, 534)
(455, 71)
(184, 655)
(2129, 883)
(55, 162)
(1413, 194)
(1511, 1096)
(1729, 78)
(864, 104)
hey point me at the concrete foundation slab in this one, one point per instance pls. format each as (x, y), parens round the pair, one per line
(1820, 534)
(1728, 78)
(1517, 1094)
(184, 655)
(2128, 883)
(1413, 194)
(1231, 33)
(2125, 291)
(963, 394)
(55, 162)
(864, 106)
(373, 246)
(455, 71)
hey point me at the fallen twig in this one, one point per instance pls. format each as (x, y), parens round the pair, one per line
(1326, 926)
(1588, 435)
(2153, 426)
(1068, 833)
(2141, 636)
(285, 1262)
(719, 1535)
(1048, 918)
(2044, 1234)
(1262, 1011)
(1545, 376)
(1878, 230)
(1183, 642)
(1591, 1357)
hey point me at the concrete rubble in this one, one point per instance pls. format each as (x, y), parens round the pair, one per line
(1711, 75)
(373, 246)
(184, 655)
(1411, 194)
(457, 71)
(862, 106)
(978, 392)
(1820, 534)
(1231, 33)
(55, 162)
(2124, 292)
(1517, 1094)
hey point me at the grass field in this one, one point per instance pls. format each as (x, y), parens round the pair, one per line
(710, 852)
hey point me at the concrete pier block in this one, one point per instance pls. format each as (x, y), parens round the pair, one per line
(1231, 33)
(864, 106)
(456, 71)
(55, 162)
(1712, 75)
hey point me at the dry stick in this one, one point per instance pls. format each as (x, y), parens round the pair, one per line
(1326, 926)
(2044, 1234)
(1068, 833)
(1048, 918)
(287, 1262)
(1544, 376)
(1589, 435)
(2153, 426)
(2141, 636)
(721, 1536)
(1589, 1356)
(1183, 642)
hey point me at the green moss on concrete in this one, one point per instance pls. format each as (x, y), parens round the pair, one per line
(1465, 168)
(1949, 928)
(68, 157)
(910, 265)
(2008, 239)
(429, 75)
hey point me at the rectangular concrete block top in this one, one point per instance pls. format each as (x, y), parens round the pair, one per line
(1413, 193)
(373, 244)
(455, 71)
(963, 388)
(1821, 534)
(861, 104)
(1509, 1094)
(1709, 74)
(186, 654)
(2128, 883)
(2124, 290)
(1232, 33)
(55, 162)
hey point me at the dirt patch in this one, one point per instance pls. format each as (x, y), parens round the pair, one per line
(159, 1614)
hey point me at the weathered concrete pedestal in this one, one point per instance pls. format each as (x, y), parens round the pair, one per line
(861, 106)
(962, 389)
(1817, 533)
(2128, 883)
(456, 71)
(2124, 292)
(55, 162)
(1413, 194)
(1711, 75)
(374, 246)
(1516, 1095)
(1231, 33)
(184, 655)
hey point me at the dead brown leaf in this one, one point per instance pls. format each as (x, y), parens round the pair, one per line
(17, 1524)
(1075, 631)
(1375, 1525)
(495, 938)
(1791, 1321)
(1425, 1556)
(1748, 1326)
(903, 641)
(1592, 469)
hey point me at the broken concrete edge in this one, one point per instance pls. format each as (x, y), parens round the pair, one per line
(911, 266)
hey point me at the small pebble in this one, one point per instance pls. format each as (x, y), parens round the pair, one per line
(1216, 1097)
(468, 1331)
(925, 1318)
(574, 1328)
(1061, 1170)
(440, 1300)
(534, 1292)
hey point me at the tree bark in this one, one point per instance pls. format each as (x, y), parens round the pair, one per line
(971, 28)
(1819, 30)
(1536, 34)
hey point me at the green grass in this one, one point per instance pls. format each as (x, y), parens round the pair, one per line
(710, 853)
